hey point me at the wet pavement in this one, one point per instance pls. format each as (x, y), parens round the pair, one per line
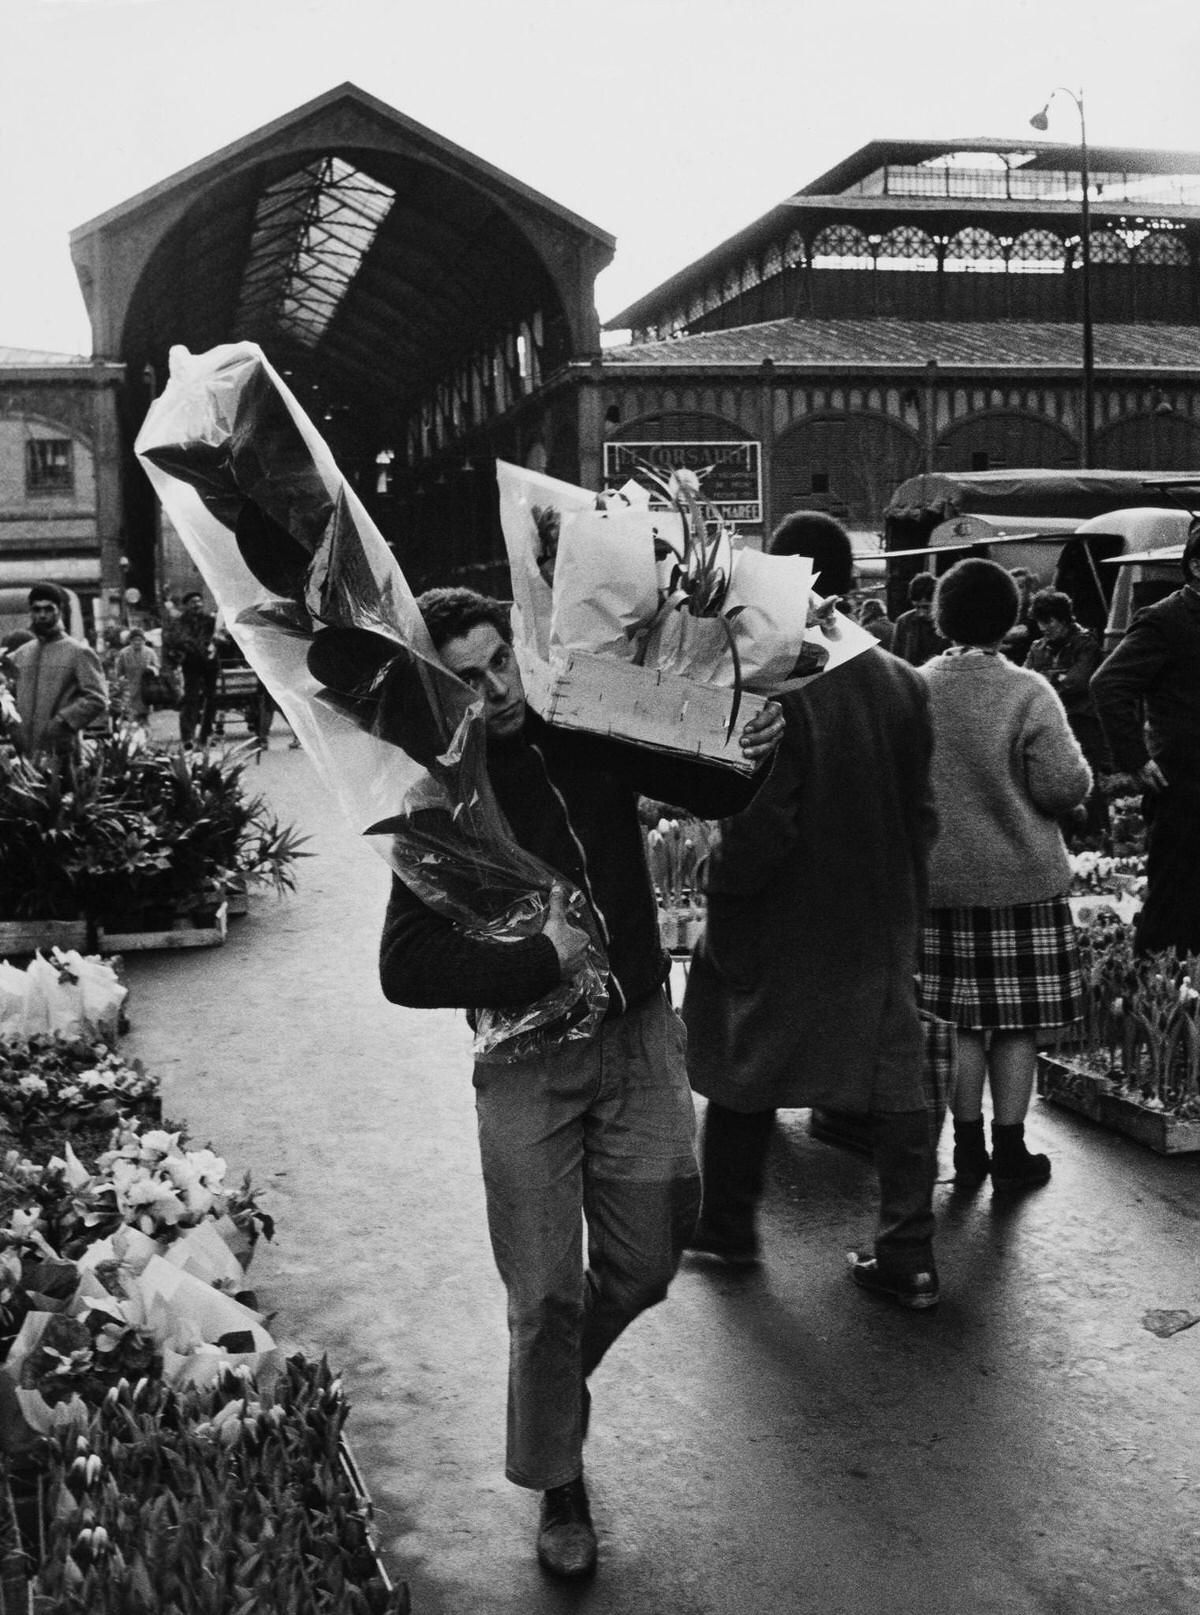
(776, 1443)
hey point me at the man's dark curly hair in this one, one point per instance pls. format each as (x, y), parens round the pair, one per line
(451, 613)
(1052, 605)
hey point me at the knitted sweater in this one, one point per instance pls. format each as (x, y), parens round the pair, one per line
(1005, 767)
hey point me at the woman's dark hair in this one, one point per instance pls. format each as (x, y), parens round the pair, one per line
(1052, 605)
(451, 613)
(871, 610)
(976, 603)
(825, 541)
(921, 587)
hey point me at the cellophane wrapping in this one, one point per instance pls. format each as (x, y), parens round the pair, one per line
(315, 599)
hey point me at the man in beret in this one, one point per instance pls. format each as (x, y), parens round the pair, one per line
(60, 686)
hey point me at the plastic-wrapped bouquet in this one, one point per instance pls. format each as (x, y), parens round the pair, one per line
(317, 603)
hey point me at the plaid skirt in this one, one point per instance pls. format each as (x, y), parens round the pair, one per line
(1002, 969)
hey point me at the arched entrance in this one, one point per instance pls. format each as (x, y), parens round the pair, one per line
(993, 440)
(846, 465)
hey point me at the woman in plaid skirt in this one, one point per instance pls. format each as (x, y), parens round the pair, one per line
(998, 956)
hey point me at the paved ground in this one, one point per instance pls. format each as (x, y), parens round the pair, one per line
(773, 1445)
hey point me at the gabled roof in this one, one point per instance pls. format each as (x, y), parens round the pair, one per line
(316, 111)
(370, 257)
(891, 344)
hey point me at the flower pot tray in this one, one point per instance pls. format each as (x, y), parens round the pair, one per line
(1094, 1096)
(18, 937)
(182, 934)
(609, 697)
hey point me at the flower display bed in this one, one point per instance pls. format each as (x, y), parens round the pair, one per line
(1133, 1062)
(126, 846)
(1101, 1099)
(161, 1453)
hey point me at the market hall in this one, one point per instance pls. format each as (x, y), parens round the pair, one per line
(1060, 1568)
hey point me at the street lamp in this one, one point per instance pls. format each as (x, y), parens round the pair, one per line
(1041, 122)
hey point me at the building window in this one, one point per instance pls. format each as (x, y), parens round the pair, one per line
(820, 482)
(49, 467)
(980, 460)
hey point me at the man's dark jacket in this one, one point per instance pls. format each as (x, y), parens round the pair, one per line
(571, 799)
(1154, 675)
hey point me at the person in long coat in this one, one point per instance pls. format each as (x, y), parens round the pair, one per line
(801, 991)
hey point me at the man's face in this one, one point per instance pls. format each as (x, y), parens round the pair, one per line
(191, 606)
(484, 659)
(923, 608)
(1053, 630)
(44, 618)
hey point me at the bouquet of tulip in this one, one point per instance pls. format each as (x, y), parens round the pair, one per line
(676, 850)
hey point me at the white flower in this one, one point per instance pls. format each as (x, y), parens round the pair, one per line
(197, 1178)
(156, 1142)
(34, 1086)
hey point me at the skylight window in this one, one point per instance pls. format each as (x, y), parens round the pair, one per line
(312, 231)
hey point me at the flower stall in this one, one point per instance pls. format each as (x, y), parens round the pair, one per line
(1134, 1062)
(158, 1450)
(127, 845)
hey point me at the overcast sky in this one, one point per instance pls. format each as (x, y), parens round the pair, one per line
(669, 123)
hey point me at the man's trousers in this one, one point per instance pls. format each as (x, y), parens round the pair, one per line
(599, 1132)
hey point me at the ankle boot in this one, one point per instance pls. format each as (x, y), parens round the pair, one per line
(971, 1163)
(1012, 1165)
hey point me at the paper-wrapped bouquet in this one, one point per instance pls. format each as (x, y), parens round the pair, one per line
(646, 620)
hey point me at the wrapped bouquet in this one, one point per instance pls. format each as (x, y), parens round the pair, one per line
(648, 620)
(318, 605)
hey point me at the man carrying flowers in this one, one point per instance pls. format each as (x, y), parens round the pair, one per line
(600, 1129)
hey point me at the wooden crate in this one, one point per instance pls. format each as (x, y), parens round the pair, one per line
(21, 937)
(1064, 1083)
(605, 696)
(183, 934)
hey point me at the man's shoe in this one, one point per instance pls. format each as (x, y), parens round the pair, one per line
(918, 1292)
(741, 1252)
(566, 1544)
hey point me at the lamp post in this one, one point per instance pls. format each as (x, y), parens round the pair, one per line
(1041, 122)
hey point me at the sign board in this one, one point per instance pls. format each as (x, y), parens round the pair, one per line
(730, 471)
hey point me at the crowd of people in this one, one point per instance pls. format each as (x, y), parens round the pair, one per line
(55, 684)
(887, 932)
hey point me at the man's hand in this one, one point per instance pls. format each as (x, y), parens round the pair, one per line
(1152, 776)
(762, 733)
(570, 943)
